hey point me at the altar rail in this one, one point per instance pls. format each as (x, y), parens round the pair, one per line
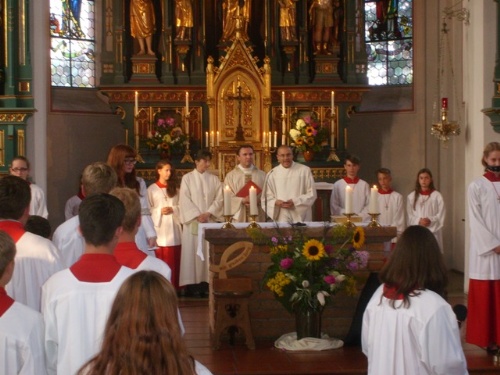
(269, 318)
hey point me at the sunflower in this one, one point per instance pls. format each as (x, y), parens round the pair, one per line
(310, 141)
(358, 238)
(299, 141)
(309, 131)
(313, 250)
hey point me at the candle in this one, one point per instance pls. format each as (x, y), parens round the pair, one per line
(333, 102)
(136, 106)
(275, 138)
(444, 103)
(283, 102)
(206, 139)
(373, 208)
(269, 139)
(263, 139)
(187, 103)
(332, 139)
(212, 138)
(253, 201)
(218, 138)
(348, 200)
(227, 201)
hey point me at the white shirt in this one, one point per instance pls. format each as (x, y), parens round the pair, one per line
(168, 227)
(392, 211)
(38, 205)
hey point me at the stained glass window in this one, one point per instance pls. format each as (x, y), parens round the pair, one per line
(389, 41)
(72, 58)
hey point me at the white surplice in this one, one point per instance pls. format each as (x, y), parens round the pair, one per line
(38, 205)
(430, 206)
(21, 341)
(147, 229)
(71, 207)
(421, 339)
(199, 193)
(295, 183)
(168, 227)
(392, 211)
(235, 179)
(360, 198)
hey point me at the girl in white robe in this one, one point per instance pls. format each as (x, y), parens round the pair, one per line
(425, 206)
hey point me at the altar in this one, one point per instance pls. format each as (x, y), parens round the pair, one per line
(269, 319)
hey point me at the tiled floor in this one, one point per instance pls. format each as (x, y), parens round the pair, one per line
(266, 359)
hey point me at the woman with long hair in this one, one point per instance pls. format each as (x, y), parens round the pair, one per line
(142, 334)
(163, 197)
(122, 158)
(408, 327)
(425, 206)
(484, 259)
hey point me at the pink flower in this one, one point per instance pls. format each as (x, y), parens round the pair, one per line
(307, 119)
(329, 279)
(329, 248)
(170, 121)
(286, 263)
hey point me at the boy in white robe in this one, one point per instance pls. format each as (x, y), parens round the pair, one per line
(360, 190)
(77, 300)
(289, 191)
(21, 328)
(238, 178)
(37, 258)
(200, 201)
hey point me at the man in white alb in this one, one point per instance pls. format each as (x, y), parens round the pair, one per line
(289, 192)
(239, 180)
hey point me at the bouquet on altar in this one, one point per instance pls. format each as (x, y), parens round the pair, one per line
(167, 135)
(308, 134)
(306, 272)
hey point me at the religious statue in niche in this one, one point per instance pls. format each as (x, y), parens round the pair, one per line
(288, 20)
(143, 24)
(325, 18)
(183, 19)
(231, 11)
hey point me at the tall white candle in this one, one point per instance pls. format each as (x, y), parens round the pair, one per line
(227, 200)
(212, 138)
(373, 208)
(218, 138)
(206, 139)
(275, 142)
(348, 200)
(333, 103)
(283, 102)
(253, 201)
(269, 139)
(187, 103)
(136, 106)
(263, 139)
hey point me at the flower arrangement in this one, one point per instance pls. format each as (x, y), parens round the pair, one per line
(306, 272)
(167, 135)
(308, 134)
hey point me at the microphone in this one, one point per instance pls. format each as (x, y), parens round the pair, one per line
(461, 313)
(265, 194)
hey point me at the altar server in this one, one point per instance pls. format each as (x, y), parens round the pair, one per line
(360, 190)
(289, 192)
(163, 197)
(245, 174)
(390, 202)
(21, 328)
(37, 258)
(408, 327)
(200, 201)
(77, 300)
(425, 206)
(483, 328)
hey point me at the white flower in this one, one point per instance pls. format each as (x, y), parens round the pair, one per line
(340, 278)
(300, 124)
(305, 284)
(321, 297)
(294, 133)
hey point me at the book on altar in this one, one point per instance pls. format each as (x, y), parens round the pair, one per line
(245, 190)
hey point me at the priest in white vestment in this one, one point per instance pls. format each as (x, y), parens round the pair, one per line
(238, 181)
(200, 201)
(289, 192)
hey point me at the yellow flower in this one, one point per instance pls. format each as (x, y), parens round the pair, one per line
(309, 131)
(310, 141)
(313, 250)
(277, 283)
(299, 141)
(278, 249)
(358, 238)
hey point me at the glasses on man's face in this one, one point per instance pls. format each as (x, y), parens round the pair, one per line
(130, 161)
(17, 170)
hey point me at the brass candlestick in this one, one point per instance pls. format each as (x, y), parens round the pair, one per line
(349, 224)
(253, 223)
(228, 224)
(373, 222)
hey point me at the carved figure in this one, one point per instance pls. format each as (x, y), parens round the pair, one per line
(142, 24)
(183, 19)
(288, 20)
(231, 11)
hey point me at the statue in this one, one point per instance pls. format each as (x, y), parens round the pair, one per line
(183, 19)
(231, 10)
(321, 15)
(288, 20)
(142, 24)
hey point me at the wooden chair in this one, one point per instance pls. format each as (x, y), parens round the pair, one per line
(231, 296)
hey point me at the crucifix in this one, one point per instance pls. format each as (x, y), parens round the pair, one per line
(239, 97)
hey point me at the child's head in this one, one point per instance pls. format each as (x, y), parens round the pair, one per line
(7, 254)
(130, 200)
(100, 217)
(20, 167)
(491, 157)
(38, 225)
(352, 165)
(15, 198)
(165, 173)
(424, 180)
(98, 178)
(202, 160)
(384, 178)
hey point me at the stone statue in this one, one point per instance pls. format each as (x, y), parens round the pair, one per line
(321, 16)
(183, 19)
(142, 24)
(288, 20)
(231, 10)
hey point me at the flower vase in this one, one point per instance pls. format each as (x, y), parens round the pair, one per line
(308, 155)
(308, 323)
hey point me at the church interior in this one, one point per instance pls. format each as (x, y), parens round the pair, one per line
(226, 73)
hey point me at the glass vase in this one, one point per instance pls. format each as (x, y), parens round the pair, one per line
(308, 323)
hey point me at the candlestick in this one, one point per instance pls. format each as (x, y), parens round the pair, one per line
(263, 139)
(444, 103)
(136, 106)
(253, 200)
(283, 102)
(348, 199)
(212, 136)
(206, 139)
(227, 201)
(253, 223)
(373, 207)
(269, 139)
(187, 103)
(218, 138)
(275, 143)
(373, 222)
